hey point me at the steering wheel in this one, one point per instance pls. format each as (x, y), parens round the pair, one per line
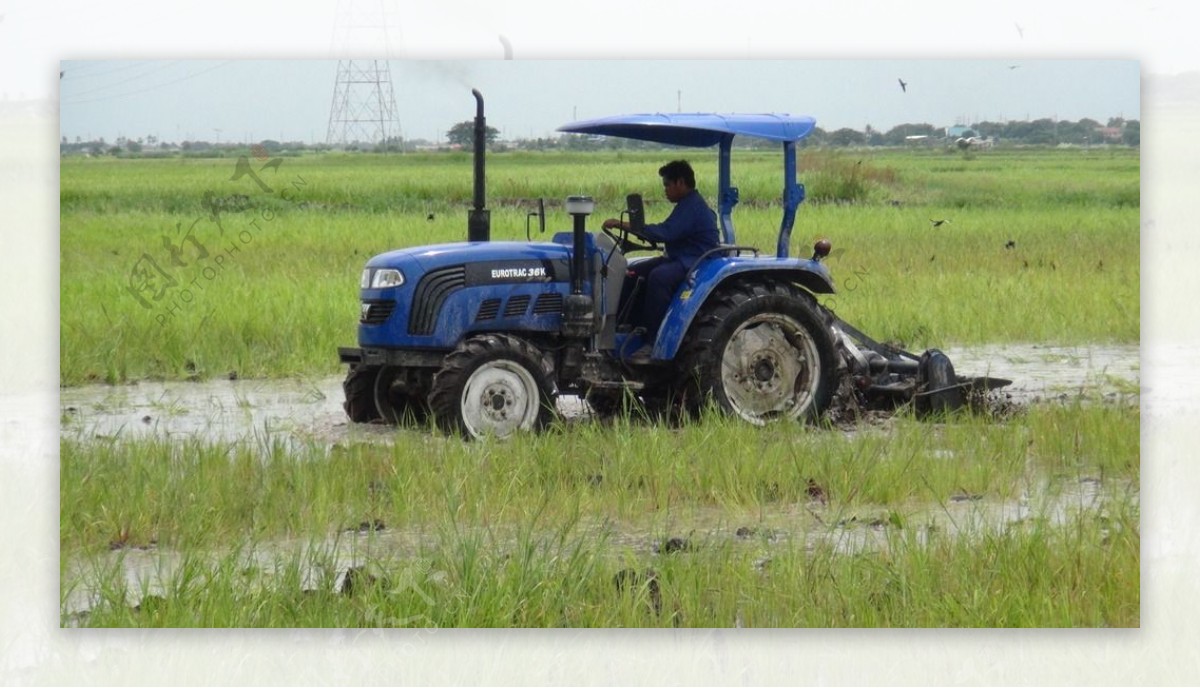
(621, 236)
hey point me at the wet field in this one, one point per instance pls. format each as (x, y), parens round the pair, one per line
(328, 565)
(309, 412)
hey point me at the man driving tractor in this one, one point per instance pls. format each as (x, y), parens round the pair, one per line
(687, 233)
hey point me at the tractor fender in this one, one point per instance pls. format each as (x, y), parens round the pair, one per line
(706, 278)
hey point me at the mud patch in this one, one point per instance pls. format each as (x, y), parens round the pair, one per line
(310, 411)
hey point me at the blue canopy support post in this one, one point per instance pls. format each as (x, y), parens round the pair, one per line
(727, 194)
(793, 196)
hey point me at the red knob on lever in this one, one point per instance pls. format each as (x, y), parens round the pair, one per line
(821, 249)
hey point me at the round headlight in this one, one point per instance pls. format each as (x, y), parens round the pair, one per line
(386, 278)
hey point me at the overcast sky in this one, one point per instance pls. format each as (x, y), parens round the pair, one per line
(251, 100)
(254, 70)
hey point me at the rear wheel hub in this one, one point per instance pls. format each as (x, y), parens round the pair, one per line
(767, 369)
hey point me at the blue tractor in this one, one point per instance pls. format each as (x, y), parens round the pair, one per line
(485, 335)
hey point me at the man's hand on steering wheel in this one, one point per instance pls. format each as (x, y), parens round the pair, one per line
(624, 231)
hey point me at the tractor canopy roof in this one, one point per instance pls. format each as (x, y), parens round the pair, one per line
(697, 129)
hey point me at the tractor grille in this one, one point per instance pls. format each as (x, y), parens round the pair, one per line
(516, 306)
(488, 310)
(519, 305)
(548, 303)
(377, 312)
(430, 294)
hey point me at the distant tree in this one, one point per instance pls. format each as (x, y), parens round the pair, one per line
(897, 134)
(847, 137)
(1073, 132)
(133, 146)
(463, 134)
(1131, 135)
(1042, 132)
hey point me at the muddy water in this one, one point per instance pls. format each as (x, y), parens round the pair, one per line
(299, 410)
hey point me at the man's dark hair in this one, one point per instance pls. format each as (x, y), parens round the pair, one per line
(678, 169)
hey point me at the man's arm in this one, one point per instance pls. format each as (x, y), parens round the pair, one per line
(685, 217)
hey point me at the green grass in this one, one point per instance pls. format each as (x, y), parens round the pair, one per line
(283, 294)
(514, 534)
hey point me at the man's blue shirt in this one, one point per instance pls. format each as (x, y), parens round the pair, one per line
(689, 231)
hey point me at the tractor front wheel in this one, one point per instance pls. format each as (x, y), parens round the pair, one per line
(359, 388)
(760, 350)
(493, 385)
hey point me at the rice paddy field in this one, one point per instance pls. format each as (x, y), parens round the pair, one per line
(182, 271)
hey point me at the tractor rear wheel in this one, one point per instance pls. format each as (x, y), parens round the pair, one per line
(760, 350)
(493, 385)
(359, 389)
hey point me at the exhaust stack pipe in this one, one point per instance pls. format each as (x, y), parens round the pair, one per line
(479, 223)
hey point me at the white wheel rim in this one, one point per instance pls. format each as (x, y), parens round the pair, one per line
(499, 398)
(769, 369)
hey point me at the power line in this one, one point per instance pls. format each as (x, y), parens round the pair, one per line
(157, 69)
(148, 88)
(87, 68)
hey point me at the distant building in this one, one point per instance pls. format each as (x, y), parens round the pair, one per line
(956, 131)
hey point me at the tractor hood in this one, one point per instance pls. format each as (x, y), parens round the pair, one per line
(435, 256)
(485, 262)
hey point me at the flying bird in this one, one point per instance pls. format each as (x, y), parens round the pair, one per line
(508, 50)
(903, 85)
(1014, 66)
(1020, 31)
(938, 223)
